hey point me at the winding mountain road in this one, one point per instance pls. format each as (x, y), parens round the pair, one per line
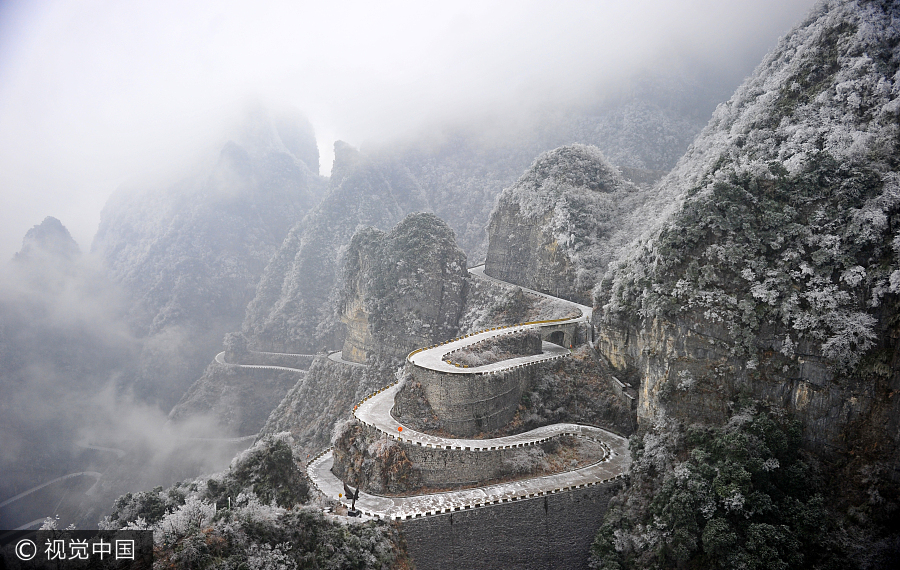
(375, 411)
(93, 474)
(338, 356)
(220, 358)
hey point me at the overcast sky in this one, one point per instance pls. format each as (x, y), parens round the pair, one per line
(93, 93)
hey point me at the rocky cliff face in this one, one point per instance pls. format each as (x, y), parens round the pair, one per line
(759, 315)
(190, 253)
(238, 400)
(774, 274)
(322, 398)
(292, 298)
(406, 289)
(550, 231)
(402, 290)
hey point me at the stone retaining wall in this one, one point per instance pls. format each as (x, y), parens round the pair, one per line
(467, 404)
(550, 532)
(621, 390)
(434, 467)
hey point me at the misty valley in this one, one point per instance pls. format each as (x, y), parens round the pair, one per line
(656, 327)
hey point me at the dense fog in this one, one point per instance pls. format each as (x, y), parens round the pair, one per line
(92, 94)
(191, 128)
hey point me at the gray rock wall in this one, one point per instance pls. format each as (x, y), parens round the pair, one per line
(378, 465)
(468, 404)
(551, 532)
(240, 399)
(551, 231)
(301, 361)
(686, 372)
(519, 252)
(326, 393)
(403, 289)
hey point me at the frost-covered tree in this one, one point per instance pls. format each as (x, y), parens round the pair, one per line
(256, 514)
(739, 496)
(784, 206)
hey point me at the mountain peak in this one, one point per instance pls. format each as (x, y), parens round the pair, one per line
(50, 239)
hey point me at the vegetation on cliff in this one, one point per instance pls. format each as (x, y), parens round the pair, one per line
(257, 514)
(737, 496)
(772, 277)
(189, 250)
(294, 294)
(407, 288)
(790, 195)
(576, 390)
(551, 230)
(322, 397)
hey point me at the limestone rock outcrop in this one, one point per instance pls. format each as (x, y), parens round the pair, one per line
(550, 230)
(49, 239)
(402, 290)
(292, 299)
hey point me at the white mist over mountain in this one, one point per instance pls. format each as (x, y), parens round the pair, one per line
(95, 93)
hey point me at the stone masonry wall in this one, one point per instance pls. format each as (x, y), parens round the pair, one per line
(551, 532)
(468, 404)
(377, 468)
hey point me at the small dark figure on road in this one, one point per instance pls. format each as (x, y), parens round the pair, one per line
(352, 495)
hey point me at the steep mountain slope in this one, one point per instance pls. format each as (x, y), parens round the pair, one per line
(292, 298)
(49, 240)
(402, 290)
(760, 315)
(456, 174)
(59, 309)
(399, 290)
(191, 253)
(643, 128)
(779, 267)
(653, 118)
(62, 341)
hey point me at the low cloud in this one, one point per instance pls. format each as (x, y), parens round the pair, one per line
(94, 94)
(68, 405)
